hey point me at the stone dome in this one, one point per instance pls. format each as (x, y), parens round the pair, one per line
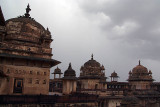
(57, 71)
(25, 28)
(139, 69)
(140, 73)
(92, 70)
(69, 72)
(114, 74)
(92, 63)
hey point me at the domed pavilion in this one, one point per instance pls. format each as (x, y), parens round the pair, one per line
(92, 73)
(92, 69)
(69, 80)
(114, 77)
(140, 77)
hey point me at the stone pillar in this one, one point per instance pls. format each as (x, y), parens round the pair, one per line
(54, 76)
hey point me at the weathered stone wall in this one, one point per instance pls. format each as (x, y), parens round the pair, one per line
(140, 85)
(35, 80)
(89, 83)
(69, 86)
(113, 102)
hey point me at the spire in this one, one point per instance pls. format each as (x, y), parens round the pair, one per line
(114, 71)
(27, 15)
(48, 32)
(92, 56)
(70, 66)
(139, 62)
(2, 20)
(57, 67)
(150, 72)
(102, 67)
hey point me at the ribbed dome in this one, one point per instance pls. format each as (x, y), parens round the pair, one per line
(140, 73)
(92, 70)
(25, 28)
(23, 21)
(140, 69)
(92, 63)
(69, 72)
(57, 71)
(114, 74)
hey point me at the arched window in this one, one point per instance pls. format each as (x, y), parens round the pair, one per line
(38, 73)
(8, 71)
(30, 80)
(16, 72)
(37, 81)
(44, 81)
(30, 72)
(96, 86)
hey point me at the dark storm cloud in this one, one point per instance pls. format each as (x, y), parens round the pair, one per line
(142, 34)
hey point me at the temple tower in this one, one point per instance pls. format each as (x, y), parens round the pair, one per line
(92, 75)
(114, 77)
(58, 72)
(140, 78)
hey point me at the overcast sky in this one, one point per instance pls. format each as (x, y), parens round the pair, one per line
(117, 32)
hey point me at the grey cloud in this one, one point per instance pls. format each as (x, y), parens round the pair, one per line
(117, 32)
(143, 12)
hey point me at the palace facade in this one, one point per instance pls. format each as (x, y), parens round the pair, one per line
(139, 91)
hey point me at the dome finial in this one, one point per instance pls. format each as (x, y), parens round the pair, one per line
(27, 11)
(139, 62)
(47, 29)
(92, 56)
(70, 66)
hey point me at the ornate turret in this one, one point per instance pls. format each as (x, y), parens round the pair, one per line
(69, 73)
(57, 71)
(150, 72)
(114, 77)
(92, 69)
(69, 80)
(140, 73)
(130, 73)
(102, 67)
(140, 77)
